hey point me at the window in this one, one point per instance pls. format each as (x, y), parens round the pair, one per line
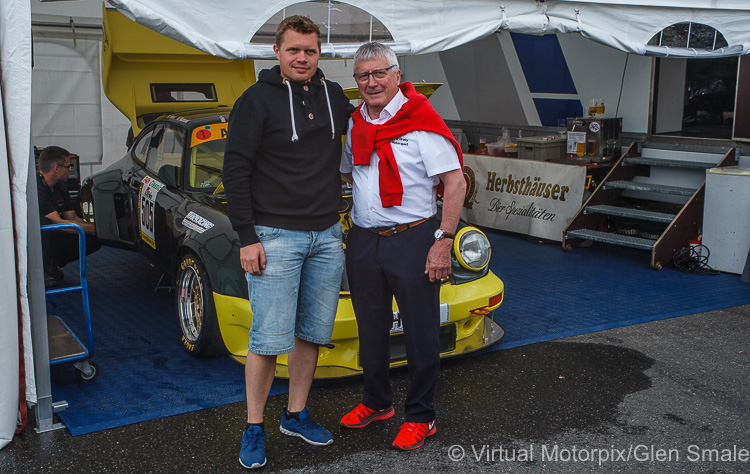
(183, 93)
(140, 149)
(710, 86)
(165, 148)
(689, 36)
(206, 163)
(695, 97)
(338, 23)
(742, 102)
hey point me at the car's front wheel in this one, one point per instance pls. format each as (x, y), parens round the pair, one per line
(196, 311)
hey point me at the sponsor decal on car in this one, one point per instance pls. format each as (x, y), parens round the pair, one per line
(196, 222)
(147, 203)
(207, 133)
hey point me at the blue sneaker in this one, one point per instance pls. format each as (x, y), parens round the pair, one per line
(306, 429)
(253, 452)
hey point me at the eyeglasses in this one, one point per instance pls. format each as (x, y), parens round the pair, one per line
(363, 77)
(69, 166)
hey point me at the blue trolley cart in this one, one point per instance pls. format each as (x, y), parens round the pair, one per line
(64, 345)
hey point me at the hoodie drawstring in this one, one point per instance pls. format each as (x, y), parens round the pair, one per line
(291, 111)
(330, 112)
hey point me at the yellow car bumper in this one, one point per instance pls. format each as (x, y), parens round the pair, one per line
(466, 327)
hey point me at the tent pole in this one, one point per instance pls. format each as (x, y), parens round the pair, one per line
(37, 306)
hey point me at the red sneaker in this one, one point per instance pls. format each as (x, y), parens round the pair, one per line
(363, 416)
(412, 435)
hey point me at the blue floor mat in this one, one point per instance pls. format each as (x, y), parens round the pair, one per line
(146, 374)
(144, 371)
(552, 294)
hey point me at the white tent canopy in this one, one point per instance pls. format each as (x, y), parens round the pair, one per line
(436, 25)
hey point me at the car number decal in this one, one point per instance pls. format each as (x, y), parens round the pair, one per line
(196, 222)
(147, 203)
(398, 324)
(207, 133)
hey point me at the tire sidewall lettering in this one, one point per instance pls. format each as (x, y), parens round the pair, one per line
(188, 345)
(184, 265)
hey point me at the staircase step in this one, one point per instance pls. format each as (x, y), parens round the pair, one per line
(640, 160)
(632, 213)
(654, 188)
(611, 238)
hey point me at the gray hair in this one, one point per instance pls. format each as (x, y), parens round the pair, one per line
(373, 50)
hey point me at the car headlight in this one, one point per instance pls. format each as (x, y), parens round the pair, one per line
(472, 249)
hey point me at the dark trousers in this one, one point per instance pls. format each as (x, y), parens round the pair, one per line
(380, 268)
(61, 247)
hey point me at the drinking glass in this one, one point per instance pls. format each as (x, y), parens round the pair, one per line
(580, 149)
(482, 145)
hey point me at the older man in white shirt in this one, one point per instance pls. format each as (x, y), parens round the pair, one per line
(398, 153)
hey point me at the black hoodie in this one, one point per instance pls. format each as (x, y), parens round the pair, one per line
(278, 178)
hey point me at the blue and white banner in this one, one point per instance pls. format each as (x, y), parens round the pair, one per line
(536, 198)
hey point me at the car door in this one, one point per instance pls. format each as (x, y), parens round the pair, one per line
(114, 194)
(113, 208)
(158, 195)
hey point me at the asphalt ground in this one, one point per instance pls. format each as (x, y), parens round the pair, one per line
(664, 396)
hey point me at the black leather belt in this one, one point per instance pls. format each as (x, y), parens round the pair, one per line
(389, 231)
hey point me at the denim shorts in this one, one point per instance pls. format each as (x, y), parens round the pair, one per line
(298, 292)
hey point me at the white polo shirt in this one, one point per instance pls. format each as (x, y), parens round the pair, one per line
(421, 156)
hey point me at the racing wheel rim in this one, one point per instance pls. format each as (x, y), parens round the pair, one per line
(191, 304)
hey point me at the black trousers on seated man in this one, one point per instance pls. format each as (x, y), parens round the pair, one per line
(60, 247)
(380, 268)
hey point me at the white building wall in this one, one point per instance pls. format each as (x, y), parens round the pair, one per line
(429, 68)
(598, 70)
(481, 82)
(65, 96)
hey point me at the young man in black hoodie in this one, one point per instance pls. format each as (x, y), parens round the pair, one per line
(283, 191)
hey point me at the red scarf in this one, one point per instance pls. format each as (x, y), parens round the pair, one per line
(416, 114)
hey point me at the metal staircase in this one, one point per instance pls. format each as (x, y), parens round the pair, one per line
(593, 220)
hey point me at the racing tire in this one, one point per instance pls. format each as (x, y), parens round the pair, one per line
(196, 312)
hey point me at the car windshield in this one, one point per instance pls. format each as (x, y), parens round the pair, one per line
(207, 157)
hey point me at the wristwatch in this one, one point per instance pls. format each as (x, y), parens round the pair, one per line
(440, 234)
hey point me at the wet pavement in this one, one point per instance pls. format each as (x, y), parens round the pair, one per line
(665, 396)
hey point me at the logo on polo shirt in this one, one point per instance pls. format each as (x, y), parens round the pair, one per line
(401, 141)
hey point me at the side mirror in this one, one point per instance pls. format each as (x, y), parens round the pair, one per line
(170, 175)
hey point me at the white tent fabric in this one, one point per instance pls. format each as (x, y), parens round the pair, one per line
(15, 99)
(436, 25)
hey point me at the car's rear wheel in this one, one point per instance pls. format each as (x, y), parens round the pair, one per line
(196, 310)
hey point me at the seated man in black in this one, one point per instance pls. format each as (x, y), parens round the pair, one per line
(55, 207)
